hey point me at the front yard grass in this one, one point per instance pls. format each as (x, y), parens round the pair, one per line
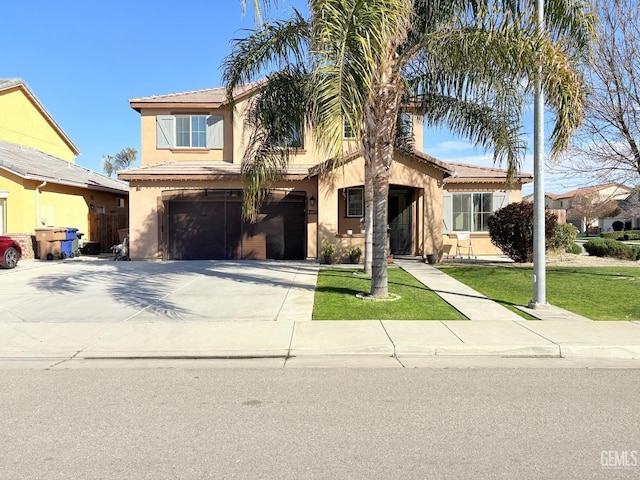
(336, 291)
(598, 293)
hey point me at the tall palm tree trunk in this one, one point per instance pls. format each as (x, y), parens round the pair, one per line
(368, 217)
(380, 115)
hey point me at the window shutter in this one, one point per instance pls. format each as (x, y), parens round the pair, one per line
(215, 131)
(500, 200)
(447, 212)
(164, 131)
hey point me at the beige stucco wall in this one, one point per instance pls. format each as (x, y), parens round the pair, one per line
(150, 155)
(23, 124)
(236, 138)
(426, 210)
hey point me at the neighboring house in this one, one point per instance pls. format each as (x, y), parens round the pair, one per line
(580, 215)
(186, 197)
(40, 185)
(629, 216)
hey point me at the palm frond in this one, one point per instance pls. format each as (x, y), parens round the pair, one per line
(483, 125)
(271, 47)
(276, 115)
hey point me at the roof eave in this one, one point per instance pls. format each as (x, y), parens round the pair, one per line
(138, 106)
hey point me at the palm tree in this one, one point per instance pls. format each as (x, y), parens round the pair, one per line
(121, 160)
(461, 63)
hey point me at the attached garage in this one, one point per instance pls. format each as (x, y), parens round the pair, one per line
(208, 225)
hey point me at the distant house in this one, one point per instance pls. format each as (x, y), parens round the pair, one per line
(186, 197)
(628, 217)
(575, 202)
(40, 185)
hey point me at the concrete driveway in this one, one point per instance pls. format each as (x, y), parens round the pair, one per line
(89, 289)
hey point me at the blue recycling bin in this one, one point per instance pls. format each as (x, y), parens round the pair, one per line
(66, 245)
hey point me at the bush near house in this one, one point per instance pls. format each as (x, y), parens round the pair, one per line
(574, 249)
(511, 230)
(564, 238)
(608, 247)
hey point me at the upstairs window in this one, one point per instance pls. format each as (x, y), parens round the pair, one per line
(189, 131)
(407, 122)
(347, 131)
(294, 139)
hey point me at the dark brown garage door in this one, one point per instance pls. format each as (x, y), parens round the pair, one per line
(209, 226)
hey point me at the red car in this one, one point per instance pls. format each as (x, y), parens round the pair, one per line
(10, 252)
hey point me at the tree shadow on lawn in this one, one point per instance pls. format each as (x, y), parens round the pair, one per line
(367, 281)
(589, 271)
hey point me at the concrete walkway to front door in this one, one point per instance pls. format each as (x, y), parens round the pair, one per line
(469, 302)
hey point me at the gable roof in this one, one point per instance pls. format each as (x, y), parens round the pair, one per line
(207, 98)
(31, 164)
(11, 83)
(351, 156)
(586, 190)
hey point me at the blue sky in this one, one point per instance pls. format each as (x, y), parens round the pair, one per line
(85, 60)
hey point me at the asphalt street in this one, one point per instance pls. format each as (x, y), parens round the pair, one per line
(443, 423)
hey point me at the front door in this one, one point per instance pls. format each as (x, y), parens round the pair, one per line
(400, 220)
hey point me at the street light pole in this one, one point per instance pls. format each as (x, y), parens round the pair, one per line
(539, 268)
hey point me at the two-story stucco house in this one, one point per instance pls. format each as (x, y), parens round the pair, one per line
(40, 184)
(186, 198)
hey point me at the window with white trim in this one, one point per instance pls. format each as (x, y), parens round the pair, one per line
(470, 212)
(407, 120)
(294, 139)
(355, 202)
(347, 131)
(189, 131)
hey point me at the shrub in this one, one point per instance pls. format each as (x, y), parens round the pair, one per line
(575, 249)
(622, 235)
(608, 247)
(564, 238)
(511, 230)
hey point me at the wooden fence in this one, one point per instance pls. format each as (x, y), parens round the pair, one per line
(104, 228)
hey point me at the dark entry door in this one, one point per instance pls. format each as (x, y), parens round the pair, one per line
(400, 220)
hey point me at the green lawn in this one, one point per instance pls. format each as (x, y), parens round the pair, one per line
(336, 299)
(599, 293)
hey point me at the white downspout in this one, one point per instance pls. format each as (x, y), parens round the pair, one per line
(38, 203)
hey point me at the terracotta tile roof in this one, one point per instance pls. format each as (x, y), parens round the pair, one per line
(8, 83)
(586, 190)
(209, 98)
(465, 173)
(199, 170)
(32, 164)
(349, 157)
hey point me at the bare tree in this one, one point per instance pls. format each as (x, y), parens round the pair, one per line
(121, 160)
(592, 206)
(606, 147)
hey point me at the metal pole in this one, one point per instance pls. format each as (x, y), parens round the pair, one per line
(539, 271)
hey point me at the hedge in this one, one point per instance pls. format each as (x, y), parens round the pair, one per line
(622, 235)
(608, 247)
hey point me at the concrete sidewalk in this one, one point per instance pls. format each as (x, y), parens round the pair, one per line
(176, 316)
(401, 339)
